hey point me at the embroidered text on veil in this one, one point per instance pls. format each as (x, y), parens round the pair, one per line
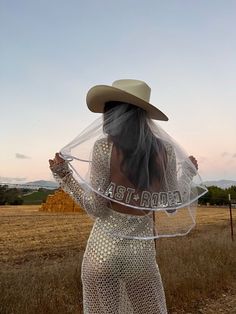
(146, 199)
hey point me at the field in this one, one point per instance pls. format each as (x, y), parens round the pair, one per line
(41, 254)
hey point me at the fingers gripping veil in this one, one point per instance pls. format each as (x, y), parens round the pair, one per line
(130, 162)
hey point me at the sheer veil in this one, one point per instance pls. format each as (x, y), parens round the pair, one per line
(153, 173)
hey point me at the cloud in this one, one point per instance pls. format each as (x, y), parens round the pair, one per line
(225, 154)
(230, 155)
(11, 180)
(21, 156)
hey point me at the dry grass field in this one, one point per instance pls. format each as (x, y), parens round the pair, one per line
(41, 254)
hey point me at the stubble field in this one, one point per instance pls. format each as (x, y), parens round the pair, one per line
(41, 255)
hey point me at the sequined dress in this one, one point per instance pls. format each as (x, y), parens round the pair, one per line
(119, 275)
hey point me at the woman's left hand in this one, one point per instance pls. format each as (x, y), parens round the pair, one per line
(194, 161)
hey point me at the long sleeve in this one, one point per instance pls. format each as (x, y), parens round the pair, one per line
(184, 181)
(94, 204)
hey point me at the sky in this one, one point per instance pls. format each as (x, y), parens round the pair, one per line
(52, 52)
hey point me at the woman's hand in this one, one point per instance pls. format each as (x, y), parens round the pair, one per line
(56, 161)
(194, 161)
(59, 166)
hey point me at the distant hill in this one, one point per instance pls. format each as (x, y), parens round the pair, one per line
(223, 184)
(43, 184)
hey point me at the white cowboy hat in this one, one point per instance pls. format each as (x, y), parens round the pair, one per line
(129, 91)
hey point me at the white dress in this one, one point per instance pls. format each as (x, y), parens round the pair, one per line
(119, 275)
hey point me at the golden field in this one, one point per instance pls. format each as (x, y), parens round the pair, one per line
(41, 254)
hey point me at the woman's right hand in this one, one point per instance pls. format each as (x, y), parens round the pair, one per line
(57, 160)
(59, 166)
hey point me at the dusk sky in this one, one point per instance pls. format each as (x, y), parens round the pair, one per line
(53, 51)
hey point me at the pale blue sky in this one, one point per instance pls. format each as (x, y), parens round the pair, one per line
(52, 52)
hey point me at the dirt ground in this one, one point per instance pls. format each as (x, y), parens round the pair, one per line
(27, 234)
(226, 303)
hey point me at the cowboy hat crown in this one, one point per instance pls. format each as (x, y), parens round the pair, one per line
(130, 91)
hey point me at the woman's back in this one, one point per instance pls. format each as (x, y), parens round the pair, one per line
(121, 180)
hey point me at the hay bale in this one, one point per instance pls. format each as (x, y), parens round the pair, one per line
(60, 202)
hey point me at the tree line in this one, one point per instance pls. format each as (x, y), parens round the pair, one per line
(10, 196)
(218, 196)
(214, 196)
(19, 196)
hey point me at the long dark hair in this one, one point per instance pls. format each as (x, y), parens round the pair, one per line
(143, 163)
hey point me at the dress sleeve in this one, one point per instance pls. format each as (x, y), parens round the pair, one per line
(94, 204)
(184, 181)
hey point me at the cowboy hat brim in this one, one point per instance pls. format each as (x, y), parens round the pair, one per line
(98, 95)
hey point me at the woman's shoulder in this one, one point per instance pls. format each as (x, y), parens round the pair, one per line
(169, 149)
(167, 145)
(101, 141)
(102, 145)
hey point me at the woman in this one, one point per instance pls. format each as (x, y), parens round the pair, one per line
(132, 190)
